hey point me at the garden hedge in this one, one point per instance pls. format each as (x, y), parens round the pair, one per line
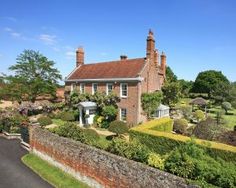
(164, 142)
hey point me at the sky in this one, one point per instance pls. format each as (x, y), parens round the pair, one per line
(196, 35)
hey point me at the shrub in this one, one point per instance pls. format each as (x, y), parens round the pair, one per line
(109, 112)
(186, 111)
(118, 127)
(156, 161)
(226, 106)
(163, 143)
(129, 149)
(44, 120)
(180, 126)
(208, 129)
(67, 116)
(70, 130)
(199, 115)
(90, 136)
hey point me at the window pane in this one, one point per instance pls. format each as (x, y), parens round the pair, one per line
(123, 114)
(124, 90)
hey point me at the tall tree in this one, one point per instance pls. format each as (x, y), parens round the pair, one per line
(150, 102)
(171, 93)
(34, 75)
(212, 82)
(170, 76)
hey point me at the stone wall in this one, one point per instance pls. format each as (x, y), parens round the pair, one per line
(95, 167)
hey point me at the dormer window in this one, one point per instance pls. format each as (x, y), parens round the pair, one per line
(124, 90)
(109, 88)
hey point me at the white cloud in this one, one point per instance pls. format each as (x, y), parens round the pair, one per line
(15, 34)
(8, 29)
(48, 39)
(70, 54)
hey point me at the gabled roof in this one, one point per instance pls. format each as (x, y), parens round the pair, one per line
(129, 68)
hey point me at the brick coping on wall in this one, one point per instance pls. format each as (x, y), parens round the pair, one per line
(96, 167)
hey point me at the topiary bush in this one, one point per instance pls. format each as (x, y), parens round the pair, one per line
(226, 106)
(186, 111)
(44, 121)
(67, 116)
(199, 115)
(118, 127)
(180, 126)
(155, 160)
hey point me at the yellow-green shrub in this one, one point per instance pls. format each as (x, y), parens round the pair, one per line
(164, 142)
(156, 161)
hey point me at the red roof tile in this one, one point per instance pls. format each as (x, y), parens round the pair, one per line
(129, 68)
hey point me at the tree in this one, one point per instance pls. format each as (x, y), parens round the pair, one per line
(212, 82)
(34, 75)
(185, 87)
(118, 127)
(199, 115)
(226, 106)
(150, 102)
(170, 76)
(232, 94)
(109, 112)
(171, 93)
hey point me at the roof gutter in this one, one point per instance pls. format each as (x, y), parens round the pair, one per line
(139, 79)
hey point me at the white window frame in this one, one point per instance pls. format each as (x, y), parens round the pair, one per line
(72, 87)
(80, 89)
(121, 93)
(121, 118)
(93, 91)
(109, 84)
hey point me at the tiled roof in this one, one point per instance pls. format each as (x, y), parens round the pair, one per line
(129, 68)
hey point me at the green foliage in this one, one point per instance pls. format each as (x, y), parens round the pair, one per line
(163, 124)
(185, 87)
(180, 126)
(90, 136)
(150, 103)
(109, 112)
(171, 93)
(208, 129)
(44, 120)
(191, 161)
(34, 75)
(186, 110)
(118, 127)
(70, 130)
(155, 160)
(67, 116)
(170, 76)
(199, 115)
(129, 149)
(214, 83)
(226, 106)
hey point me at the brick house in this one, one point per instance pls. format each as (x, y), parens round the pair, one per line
(128, 78)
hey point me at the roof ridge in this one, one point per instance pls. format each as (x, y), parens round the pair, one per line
(114, 61)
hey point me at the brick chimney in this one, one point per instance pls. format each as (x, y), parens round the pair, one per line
(150, 46)
(156, 58)
(123, 57)
(163, 63)
(79, 56)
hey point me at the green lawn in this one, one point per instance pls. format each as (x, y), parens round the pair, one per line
(230, 120)
(51, 174)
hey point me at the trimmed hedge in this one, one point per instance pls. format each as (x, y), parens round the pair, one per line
(163, 124)
(163, 142)
(44, 121)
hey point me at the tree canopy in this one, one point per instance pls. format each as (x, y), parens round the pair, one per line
(34, 75)
(171, 93)
(170, 76)
(212, 82)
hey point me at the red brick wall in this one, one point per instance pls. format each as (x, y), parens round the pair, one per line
(105, 168)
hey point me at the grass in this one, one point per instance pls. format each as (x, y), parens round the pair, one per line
(58, 122)
(230, 118)
(51, 174)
